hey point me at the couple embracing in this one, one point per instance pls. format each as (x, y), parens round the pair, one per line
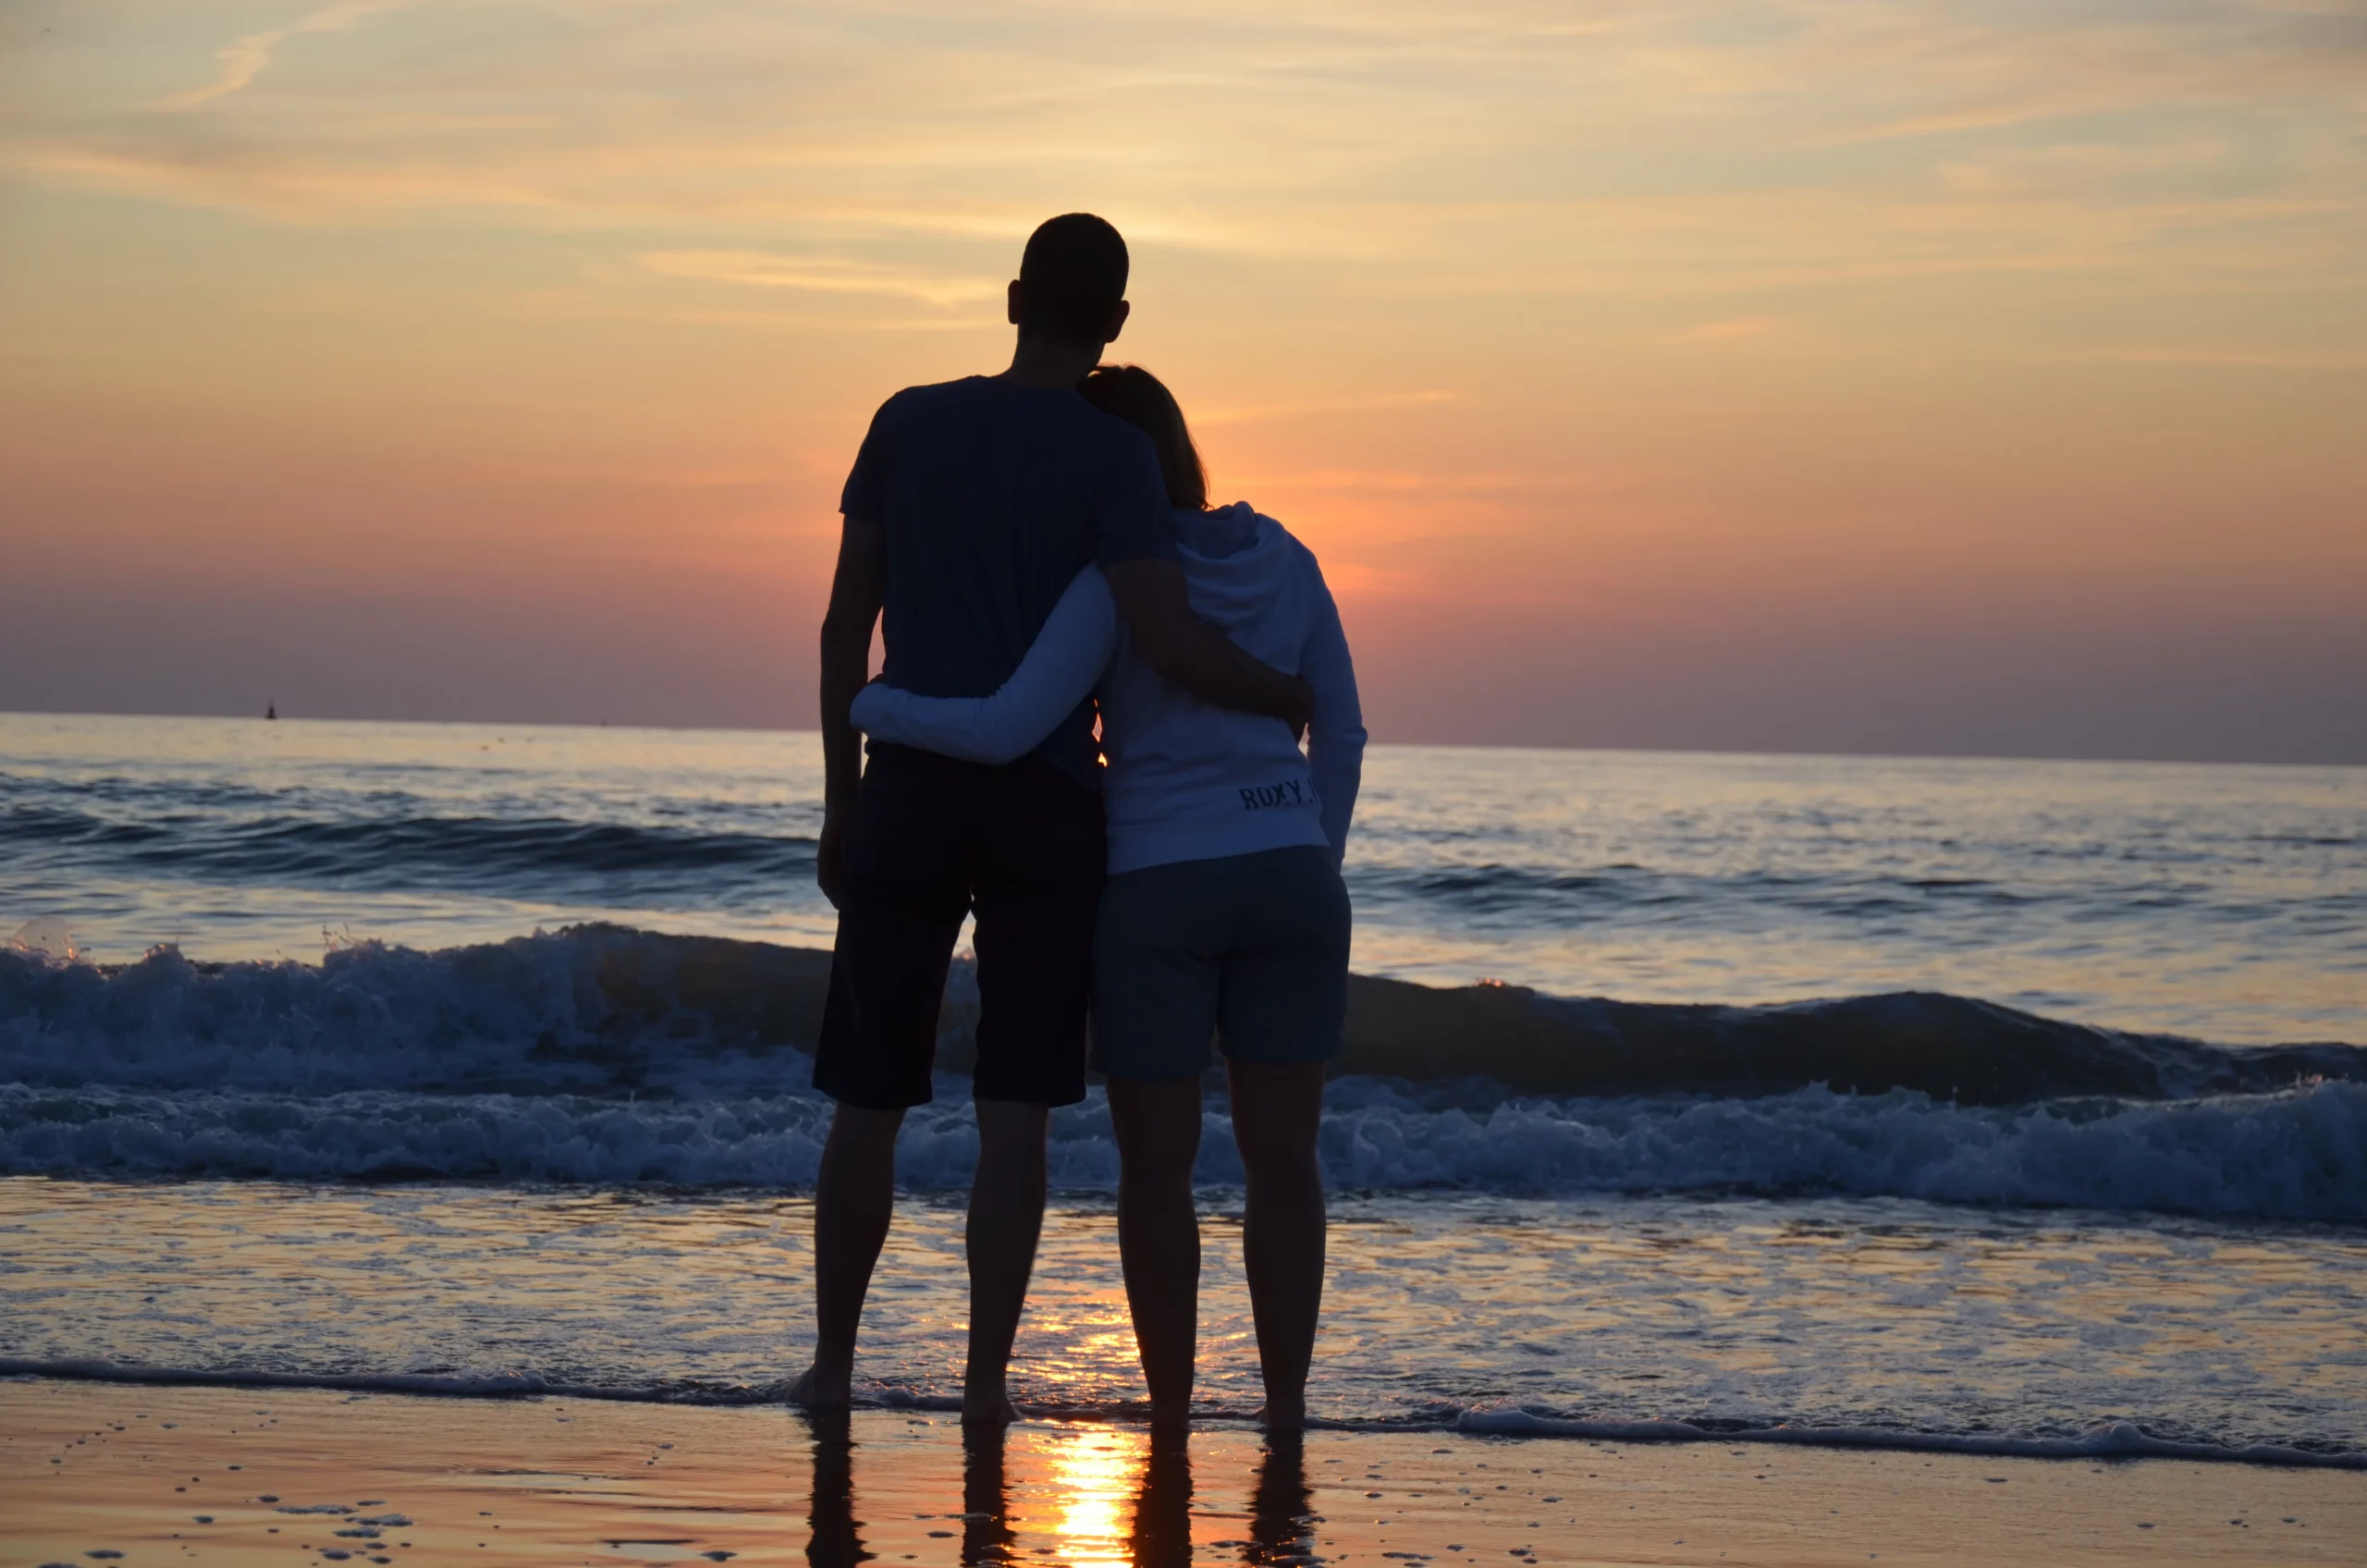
(1037, 547)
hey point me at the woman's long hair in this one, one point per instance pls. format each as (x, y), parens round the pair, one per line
(1133, 393)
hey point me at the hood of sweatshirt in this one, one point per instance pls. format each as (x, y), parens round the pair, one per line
(1237, 561)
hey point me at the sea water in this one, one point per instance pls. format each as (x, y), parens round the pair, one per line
(397, 1016)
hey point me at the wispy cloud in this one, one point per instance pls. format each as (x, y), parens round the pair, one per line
(244, 60)
(1262, 412)
(827, 275)
(1729, 331)
(2205, 357)
(1649, 151)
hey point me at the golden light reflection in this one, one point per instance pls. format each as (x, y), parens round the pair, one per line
(1080, 1343)
(1068, 1493)
(1095, 1471)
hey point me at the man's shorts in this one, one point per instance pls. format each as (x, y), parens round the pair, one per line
(1249, 948)
(1021, 846)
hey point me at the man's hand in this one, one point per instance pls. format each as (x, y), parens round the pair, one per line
(830, 859)
(1188, 651)
(857, 592)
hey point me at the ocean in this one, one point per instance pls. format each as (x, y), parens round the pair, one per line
(2008, 1107)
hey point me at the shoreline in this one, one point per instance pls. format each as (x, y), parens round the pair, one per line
(319, 1475)
(2117, 1441)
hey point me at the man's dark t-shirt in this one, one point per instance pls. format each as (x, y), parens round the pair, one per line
(992, 496)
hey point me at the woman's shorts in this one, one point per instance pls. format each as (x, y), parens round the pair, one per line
(1251, 949)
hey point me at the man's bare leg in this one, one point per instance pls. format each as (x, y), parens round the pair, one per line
(1006, 1217)
(1276, 1109)
(1158, 1122)
(855, 1197)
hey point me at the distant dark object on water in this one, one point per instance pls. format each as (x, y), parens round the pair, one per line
(271, 711)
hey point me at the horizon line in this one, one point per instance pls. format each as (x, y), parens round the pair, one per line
(1701, 751)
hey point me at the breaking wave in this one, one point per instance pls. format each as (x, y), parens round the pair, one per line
(605, 1011)
(610, 1056)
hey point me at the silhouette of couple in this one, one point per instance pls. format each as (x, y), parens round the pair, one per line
(1039, 550)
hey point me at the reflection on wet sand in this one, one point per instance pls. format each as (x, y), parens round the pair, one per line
(1162, 1534)
(986, 1535)
(96, 1469)
(1087, 1474)
(1282, 1509)
(1077, 1493)
(836, 1539)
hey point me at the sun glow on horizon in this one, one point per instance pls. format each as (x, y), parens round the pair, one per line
(1913, 377)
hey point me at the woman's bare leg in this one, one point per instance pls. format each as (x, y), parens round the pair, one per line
(1158, 1122)
(1276, 1108)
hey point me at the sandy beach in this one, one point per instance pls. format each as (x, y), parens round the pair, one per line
(157, 1475)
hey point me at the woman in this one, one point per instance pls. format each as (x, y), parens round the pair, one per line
(1224, 914)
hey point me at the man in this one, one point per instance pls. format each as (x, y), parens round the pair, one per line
(971, 506)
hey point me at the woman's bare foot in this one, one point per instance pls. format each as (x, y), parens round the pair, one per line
(1169, 1417)
(820, 1389)
(987, 1410)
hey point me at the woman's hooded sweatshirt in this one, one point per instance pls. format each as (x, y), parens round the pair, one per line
(1186, 780)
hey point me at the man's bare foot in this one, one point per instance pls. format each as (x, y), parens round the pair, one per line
(820, 1389)
(1283, 1415)
(1169, 1417)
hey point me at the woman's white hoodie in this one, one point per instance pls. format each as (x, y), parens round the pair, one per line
(1186, 780)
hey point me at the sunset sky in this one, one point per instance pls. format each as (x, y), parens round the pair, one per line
(1909, 376)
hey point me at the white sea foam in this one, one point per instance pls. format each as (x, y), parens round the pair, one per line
(2301, 1154)
(2298, 1155)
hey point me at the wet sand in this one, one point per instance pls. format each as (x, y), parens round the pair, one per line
(173, 1474)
